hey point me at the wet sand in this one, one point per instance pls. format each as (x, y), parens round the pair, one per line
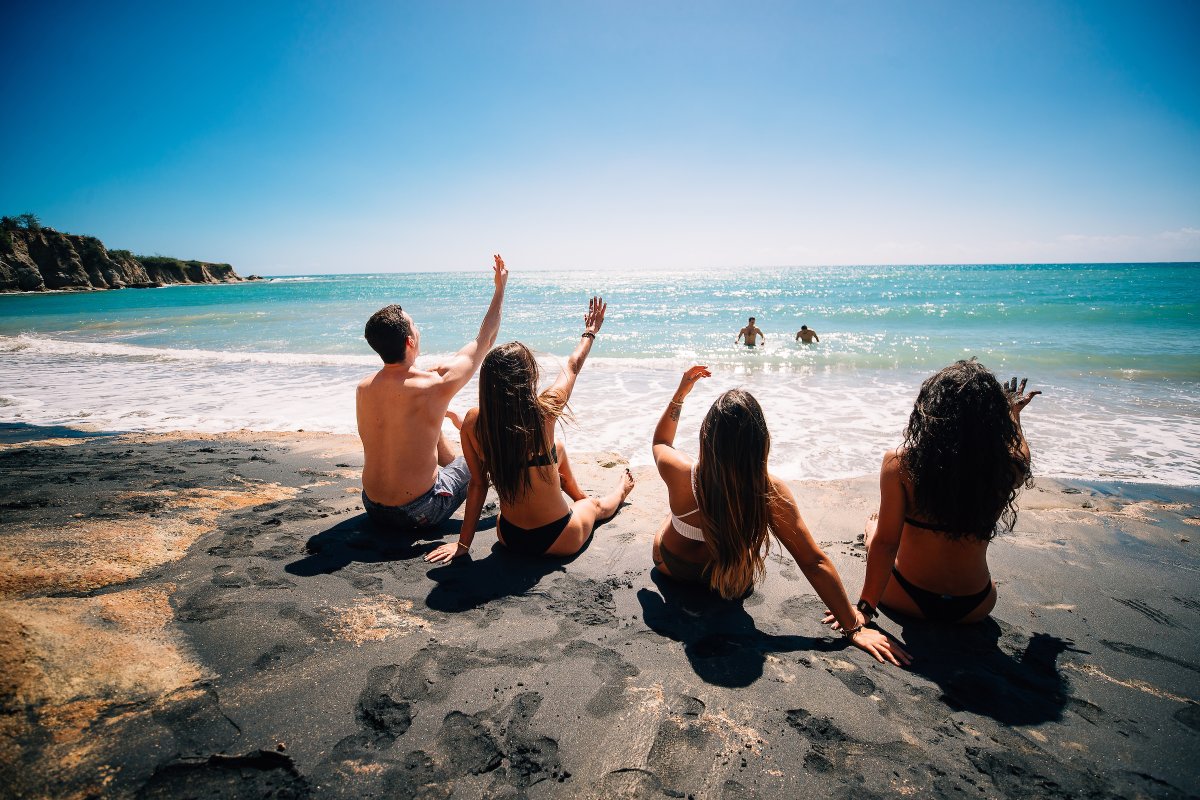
(213, 615)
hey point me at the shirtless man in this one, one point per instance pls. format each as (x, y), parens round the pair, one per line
(411, 478)
(807, 335)
(751, 332)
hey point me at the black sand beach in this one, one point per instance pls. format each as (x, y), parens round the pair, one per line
(197, 615)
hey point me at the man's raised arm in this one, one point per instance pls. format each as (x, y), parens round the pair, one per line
(462, 365)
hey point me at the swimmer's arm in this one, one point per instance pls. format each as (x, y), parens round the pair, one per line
(882, 554)
(815, 337)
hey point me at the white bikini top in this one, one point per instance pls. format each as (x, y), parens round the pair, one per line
(685, 529)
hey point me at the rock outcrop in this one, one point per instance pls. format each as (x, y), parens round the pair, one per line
(45, 259)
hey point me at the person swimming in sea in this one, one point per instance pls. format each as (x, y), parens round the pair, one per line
(751, 333)
(807, 335)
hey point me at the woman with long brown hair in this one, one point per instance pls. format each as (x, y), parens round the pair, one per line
(944, 494)
(725, 506)
(509, 442)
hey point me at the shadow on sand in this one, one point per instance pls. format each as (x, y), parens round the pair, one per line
(977, 675)
(468, 583)
(718, 636)
(358, 540)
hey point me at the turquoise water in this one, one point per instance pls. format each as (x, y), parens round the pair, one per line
(1113, 346)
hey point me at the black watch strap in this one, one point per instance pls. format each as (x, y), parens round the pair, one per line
(867, 610)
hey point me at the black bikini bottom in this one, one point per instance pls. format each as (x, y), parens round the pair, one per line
(942, 607)
(534, 541)
(681, 569)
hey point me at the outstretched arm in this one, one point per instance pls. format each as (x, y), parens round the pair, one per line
(791, 531)
(462, 365)
(592, 321)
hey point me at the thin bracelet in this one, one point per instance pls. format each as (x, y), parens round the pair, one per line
(588, 335)
(676, 403)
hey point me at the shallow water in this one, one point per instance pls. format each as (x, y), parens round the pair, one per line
(1111, 346)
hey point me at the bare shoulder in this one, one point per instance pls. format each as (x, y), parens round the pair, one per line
(891, 463)
(671, 462)
(368, 382)
(782, 498)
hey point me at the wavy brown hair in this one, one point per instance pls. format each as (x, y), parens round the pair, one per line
(962, 453)
(512, 418)
(733, 491)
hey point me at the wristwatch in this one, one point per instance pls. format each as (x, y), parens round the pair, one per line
(867, 610)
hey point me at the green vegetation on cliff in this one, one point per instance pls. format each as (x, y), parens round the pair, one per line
(35, 258)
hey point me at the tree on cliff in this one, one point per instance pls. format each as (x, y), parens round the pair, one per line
(30, 221)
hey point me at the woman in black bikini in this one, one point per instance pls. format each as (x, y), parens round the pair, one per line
(944, 493)
(509, 442)
(724, 507)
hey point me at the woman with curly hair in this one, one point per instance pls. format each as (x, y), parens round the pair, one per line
(944, 494)
(725, 506)
(509, 442)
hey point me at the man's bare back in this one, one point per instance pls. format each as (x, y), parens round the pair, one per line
(400, 408)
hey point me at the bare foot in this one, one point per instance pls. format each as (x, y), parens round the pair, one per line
(455, 419)
(627, 483)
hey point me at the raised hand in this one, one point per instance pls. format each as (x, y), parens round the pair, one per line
(594, 317)
(1017, 398)
(501, 276)
(690, 377)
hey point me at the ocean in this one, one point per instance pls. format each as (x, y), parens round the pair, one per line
(1112, 347)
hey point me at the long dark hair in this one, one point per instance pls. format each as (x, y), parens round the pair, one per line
(512, 418)
(962, 455)
(733, 491)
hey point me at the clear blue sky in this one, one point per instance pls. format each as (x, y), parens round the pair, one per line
(368, 136)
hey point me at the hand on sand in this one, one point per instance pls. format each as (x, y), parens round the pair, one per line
(876, 642)
(882, 646)
(690, 377)
(501, 271)
(594, 317)
(1017, 398)
(444, 554)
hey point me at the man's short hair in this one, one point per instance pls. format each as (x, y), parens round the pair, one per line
(752, 319)
(803, 327)
(387, 332)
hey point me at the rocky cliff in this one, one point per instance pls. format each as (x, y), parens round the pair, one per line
(44, 259)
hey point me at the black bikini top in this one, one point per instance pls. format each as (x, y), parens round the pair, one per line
(544, 460)
(929, 526)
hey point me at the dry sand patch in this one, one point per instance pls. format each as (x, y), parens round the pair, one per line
(90, 553)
